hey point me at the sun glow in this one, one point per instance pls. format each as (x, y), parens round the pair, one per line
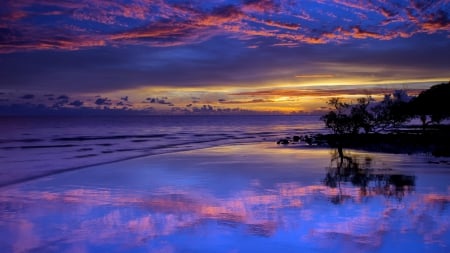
(281, 97)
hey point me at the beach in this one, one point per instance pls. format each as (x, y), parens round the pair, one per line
(34, 147)
(253, 197)
(171, 126)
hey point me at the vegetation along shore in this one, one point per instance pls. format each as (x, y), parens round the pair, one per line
(397, 124)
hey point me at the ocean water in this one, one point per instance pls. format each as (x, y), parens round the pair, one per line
(37, 146)
(222, 185)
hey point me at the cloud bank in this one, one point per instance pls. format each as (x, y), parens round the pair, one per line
(66, 25)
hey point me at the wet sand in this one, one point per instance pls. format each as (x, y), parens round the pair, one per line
(235, 198)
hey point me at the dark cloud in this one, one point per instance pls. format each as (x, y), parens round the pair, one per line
(103, 101)
(203, 109)
(437, 21)
(124, 103)
(209, 109)
(60, 103)
(76, 103)
(227, 64)
(161, 101)
(27, 96)
(63, 97)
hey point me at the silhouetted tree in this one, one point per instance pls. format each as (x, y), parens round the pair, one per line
(392, 111)
(367, 115)
(338, 120)
(349, 118)
(360, 115)
(433, 105)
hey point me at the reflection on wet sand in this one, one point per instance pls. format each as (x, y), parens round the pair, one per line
(289, 213)
(101, 217)
(371, 181)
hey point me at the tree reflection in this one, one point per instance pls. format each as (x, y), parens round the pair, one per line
(371, 181)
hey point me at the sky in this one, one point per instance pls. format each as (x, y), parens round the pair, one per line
(218, 56)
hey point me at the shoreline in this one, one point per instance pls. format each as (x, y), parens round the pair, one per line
(435, 144)
(385, 144)
(411, 140)
(264, 144)
(161, 151)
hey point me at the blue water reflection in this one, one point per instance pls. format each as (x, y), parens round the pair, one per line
(243, 198)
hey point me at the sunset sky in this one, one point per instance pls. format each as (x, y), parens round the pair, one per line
(229, 56)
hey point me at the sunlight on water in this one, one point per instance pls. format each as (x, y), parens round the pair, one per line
(241, 198)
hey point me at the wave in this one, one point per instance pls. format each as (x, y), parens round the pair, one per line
(51, 147)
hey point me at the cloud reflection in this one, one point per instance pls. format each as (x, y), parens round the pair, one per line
(357, 207)
(105, 215)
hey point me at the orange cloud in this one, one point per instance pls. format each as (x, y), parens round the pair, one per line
(162, 23)
(322, 92)
(315, 76)
(260, 6)
(253, 101)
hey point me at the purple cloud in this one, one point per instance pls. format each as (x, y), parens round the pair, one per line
(63, 97)
(163, 23)
(161, 101)
(27, 96)
(76, 103)
(103, 101)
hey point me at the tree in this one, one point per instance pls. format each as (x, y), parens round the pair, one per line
(338, 120)
(360, 115)
(433, 103)
(349, 118)
(392, 111)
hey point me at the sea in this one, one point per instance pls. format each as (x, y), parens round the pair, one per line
(211, 184)
(37, 146)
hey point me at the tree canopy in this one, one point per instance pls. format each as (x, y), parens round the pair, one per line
(368, 115)
(433, 103)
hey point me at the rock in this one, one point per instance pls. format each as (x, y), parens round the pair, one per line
(296, 138)
(283, 141)
(308, 139)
